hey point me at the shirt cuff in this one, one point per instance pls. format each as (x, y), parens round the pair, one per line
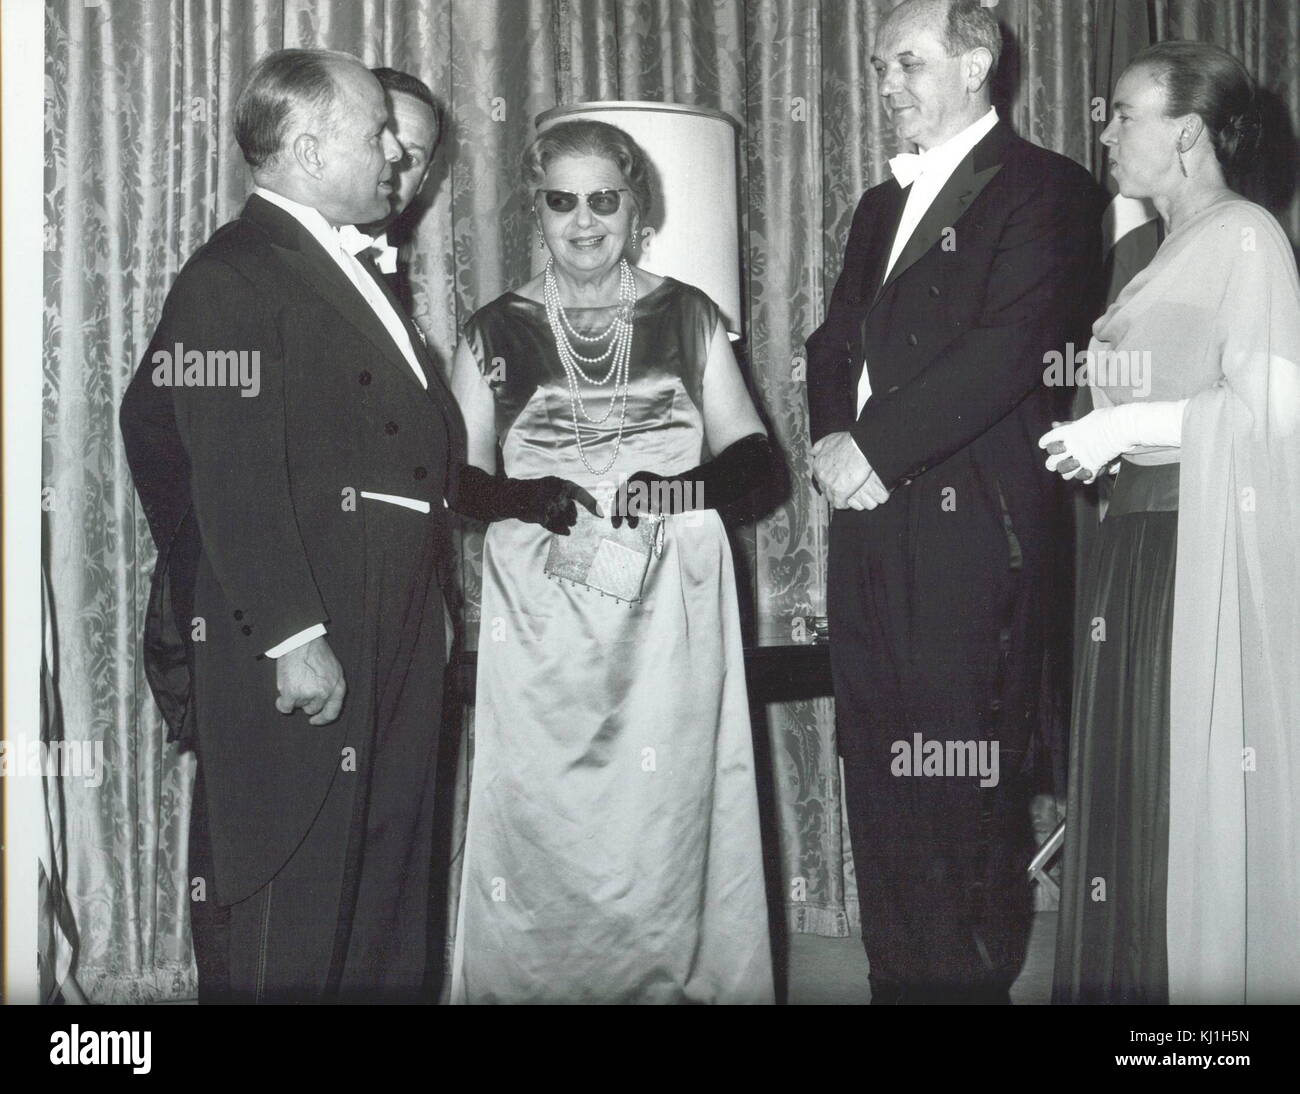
(294, 641)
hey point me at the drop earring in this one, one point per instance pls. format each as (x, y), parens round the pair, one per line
(541, 240)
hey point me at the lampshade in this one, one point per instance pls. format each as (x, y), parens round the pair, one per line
(694, 225)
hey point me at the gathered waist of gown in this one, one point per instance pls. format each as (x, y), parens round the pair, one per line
(1144, 488)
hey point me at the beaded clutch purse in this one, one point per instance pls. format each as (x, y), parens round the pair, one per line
(612, 561)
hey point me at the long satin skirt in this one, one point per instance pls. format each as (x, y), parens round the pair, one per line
(613, 850)
(1111, 938)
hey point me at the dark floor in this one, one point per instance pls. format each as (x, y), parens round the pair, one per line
(834, 970)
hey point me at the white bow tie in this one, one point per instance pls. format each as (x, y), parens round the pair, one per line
(355, 241)
(907, 167)
(385, 254)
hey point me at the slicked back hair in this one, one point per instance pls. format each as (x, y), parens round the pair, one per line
(1200, 78)
(392, 79)
(281, 85)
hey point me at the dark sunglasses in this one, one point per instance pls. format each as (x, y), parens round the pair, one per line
(600, 202)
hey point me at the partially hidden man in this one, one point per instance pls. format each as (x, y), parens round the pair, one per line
(417, 122)
(295, 634)
(926, 399)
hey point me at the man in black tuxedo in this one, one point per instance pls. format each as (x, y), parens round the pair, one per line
(926, 400)
(416, 120)
(290, 439)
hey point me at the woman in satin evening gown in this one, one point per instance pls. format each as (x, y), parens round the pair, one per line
(612, 844)
(1182, 846)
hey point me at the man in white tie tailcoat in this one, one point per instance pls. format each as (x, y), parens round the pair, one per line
(294, 636)
(926, 400)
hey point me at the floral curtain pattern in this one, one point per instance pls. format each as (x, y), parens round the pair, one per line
(141, 166)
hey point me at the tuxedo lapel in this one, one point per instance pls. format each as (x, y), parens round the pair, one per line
(438, 389)
(400, 283)
(882, 241)
(298, 249)
(964, 185)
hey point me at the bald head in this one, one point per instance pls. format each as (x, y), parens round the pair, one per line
(961, 25)
(934, 59)
(934, 12)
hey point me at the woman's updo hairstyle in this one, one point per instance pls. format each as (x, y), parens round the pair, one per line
(589, 138)
(1200, 78)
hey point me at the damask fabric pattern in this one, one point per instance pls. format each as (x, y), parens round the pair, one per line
(141, 166)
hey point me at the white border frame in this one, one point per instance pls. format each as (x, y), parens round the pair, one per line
(22, 101)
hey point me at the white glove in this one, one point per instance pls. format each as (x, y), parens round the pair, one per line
(1096, 439)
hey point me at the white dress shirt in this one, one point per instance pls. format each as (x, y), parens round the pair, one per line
(342, 245)
(933, 169)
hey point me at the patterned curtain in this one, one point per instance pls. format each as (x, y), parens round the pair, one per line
(141, 166)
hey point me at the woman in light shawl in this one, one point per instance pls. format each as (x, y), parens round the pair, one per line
(1183, 839)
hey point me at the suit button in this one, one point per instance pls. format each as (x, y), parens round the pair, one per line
(364, 378)
(239, 614)
(911, 339)
(934, 290)
(904, 482)
(390, 428)
(419, 472)
(892, 390)
(246, 629)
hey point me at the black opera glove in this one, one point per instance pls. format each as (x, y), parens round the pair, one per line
(731, 475)
(551, 502)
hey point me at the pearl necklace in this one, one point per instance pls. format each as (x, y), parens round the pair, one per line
(618, 353)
